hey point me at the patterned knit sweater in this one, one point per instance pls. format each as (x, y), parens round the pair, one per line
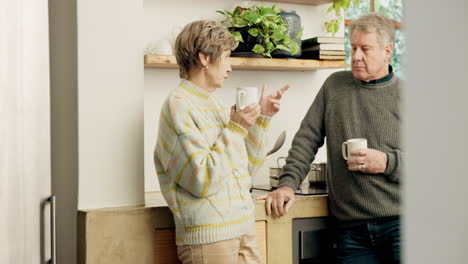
(204, 164)
(347, 108)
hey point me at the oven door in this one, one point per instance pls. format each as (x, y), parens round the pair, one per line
(312, 241)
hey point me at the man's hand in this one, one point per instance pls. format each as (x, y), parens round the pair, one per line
(270, 105)
(367, 161)
(280, 201)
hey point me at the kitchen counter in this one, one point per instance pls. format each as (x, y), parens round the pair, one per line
(126, 234)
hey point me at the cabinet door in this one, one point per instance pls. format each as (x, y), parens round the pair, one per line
(166, 249)
(25, 132)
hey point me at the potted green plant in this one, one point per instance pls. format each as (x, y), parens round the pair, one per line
(263, 27)
(338, 8)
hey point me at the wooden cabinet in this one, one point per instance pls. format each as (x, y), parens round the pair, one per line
(166, 249)
(151, 238)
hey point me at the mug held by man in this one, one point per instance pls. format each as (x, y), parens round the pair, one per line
(246, 96)
(352, 144)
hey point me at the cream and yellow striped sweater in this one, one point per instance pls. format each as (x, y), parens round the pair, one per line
(204, 164)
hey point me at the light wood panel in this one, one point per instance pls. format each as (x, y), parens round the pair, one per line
(258, 64)
(279, 229)
(260, 229)
(166, 249)
(303, 2)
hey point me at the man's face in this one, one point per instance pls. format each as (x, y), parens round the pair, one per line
(369, 59)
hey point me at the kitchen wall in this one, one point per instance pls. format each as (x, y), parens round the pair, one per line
(110, 103)
(163, 20)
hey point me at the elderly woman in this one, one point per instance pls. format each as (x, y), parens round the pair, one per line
(206, 153)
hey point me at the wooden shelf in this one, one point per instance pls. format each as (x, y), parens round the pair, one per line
(256, 64)
(303, 2)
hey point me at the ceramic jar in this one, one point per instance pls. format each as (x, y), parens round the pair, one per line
(293, 20)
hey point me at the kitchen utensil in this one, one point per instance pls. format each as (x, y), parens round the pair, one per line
(278, 144)
(317, 173)
(275, 172)
(274, 182)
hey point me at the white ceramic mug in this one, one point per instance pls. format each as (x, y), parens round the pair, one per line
(352, 144)
(246, 96)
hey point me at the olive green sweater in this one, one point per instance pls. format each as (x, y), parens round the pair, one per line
(347, 108)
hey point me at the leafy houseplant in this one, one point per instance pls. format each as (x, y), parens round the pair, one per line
(334, 25)
(265, 25)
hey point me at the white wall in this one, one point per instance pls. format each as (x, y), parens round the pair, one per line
(435, 133)
(110, 103)
(164, 21)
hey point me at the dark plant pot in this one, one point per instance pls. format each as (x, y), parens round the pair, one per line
(247, 54)
(293, 21)
(249, 40)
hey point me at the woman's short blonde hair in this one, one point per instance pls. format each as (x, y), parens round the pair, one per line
(203, 36)
(375, 22)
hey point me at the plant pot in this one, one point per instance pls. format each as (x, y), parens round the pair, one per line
(247, 54)
(249, 41)
(293, 21)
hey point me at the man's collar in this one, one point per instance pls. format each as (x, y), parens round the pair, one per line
(383, 79)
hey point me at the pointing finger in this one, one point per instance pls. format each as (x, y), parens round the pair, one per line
(285, 88)
(264, 89)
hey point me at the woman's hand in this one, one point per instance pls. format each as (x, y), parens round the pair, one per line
(247, 116)
(270, 105)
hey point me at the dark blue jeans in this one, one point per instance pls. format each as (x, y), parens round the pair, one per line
(376, 241)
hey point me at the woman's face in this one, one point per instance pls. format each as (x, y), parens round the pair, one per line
(217, 70)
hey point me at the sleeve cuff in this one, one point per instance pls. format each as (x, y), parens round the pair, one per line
(391, 163)
(286, 181)
(237, 129)
(263, 121)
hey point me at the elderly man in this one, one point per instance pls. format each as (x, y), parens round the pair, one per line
(364, 195)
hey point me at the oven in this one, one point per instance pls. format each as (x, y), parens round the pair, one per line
(313, 240)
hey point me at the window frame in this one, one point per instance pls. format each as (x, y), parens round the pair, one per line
(396, 24)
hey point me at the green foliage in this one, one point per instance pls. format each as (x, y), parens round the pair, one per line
(333, 26)
(264, 21)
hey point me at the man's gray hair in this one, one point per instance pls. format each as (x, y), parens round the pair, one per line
(375, 22)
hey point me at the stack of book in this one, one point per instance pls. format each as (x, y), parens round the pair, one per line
(323, 48)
